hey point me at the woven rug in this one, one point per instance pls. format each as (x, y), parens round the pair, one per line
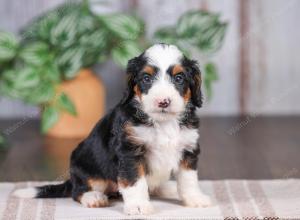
(233, 199)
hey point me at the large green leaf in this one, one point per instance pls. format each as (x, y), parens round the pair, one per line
(46, 25)
(86, 23)
(50, 116)
(211, 40)
(41, 27)
(70, 61)
(7, 86)
(93, 46)
(123, 26)
(166, 35)
(95, 40)
(202, 29)
(64, 33)
(25, 84)
(8, 46)
(194, 23)
(23, 78)
(210, 75)
(35, 53)
(27, 78)
(43, 93)
(51, 72)
(125, 51)
(66, 104)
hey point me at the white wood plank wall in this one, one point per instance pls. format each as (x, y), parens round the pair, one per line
(263, 79)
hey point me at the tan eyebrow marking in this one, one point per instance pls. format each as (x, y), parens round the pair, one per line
(177, 69)
(149, 69)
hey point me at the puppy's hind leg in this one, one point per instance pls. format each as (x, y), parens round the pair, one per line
(92, 194)
(94, 199)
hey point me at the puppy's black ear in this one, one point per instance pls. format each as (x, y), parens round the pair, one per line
(134, 66)
(192, 67)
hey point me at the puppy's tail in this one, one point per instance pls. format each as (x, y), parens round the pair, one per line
(47, 191)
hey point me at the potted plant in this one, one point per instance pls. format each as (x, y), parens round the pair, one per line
(49, 64)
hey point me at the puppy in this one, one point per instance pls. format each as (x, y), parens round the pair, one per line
(151, 134)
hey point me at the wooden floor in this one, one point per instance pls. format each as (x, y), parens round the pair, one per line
(235, 148)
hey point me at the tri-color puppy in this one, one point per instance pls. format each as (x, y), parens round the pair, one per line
(151, 134)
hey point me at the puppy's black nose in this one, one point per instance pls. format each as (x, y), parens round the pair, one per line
(164, 103)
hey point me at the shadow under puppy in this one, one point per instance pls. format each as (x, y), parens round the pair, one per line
(150, 134)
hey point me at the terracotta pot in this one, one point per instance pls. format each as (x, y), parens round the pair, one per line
(58, 153)
(88, 95)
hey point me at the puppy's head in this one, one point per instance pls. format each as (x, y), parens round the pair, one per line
(164, 81)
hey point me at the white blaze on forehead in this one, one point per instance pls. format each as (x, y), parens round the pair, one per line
(163, 56)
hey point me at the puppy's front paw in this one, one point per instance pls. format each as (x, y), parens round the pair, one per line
(198, 201)
(142, 208)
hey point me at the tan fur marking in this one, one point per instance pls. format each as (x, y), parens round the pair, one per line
(98, 184)
(112, 187)
(137, 91)
(187, 96)
(130, 135)
(141, 170)
(177, 69)
(149, 70)
(128, 128)
(185, 164)
(123, 183)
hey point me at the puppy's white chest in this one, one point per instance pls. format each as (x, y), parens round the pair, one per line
(165, 143)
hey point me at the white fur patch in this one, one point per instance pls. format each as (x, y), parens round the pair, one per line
(189, 190)
(163, 56)
(26, 193)
(165, 142)
(94, 199)
(136, 198)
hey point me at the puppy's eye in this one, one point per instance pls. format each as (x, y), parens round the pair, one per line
(147, 79)
(179, 78)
